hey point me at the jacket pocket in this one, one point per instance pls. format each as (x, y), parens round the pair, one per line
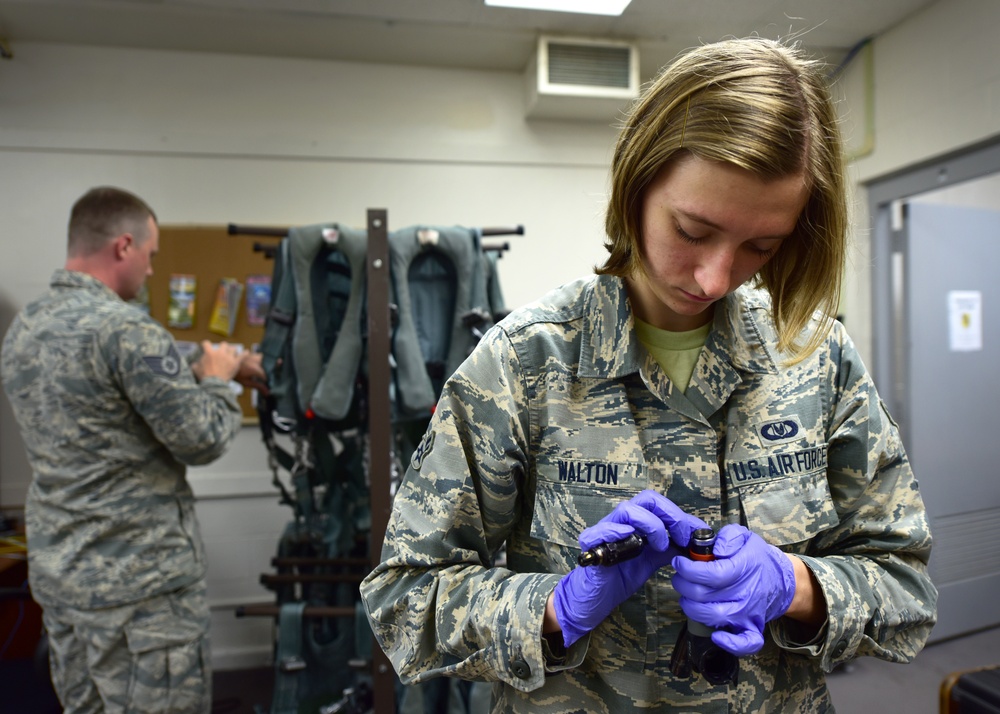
(789, 510)
(170, 659)
(571, 495)
(562, 510)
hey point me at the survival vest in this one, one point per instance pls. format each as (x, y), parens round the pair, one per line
(445, 294)
(313, 337)
(438, 276)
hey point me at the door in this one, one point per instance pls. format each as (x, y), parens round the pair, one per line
(950, 399)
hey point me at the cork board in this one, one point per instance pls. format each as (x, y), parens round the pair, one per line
(210, 254)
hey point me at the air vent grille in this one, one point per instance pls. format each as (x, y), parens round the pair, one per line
(589, 65)
(579, 78)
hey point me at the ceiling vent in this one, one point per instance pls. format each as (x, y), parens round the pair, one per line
(584, 79)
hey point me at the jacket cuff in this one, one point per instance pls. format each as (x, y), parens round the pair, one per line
(522, 659)
(557, 657)
(847, 608)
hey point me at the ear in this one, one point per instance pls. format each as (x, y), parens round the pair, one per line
(122, 244)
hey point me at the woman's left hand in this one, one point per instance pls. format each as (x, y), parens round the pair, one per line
(748, 584)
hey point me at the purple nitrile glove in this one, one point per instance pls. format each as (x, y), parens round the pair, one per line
(680, 525)
(749, 583)
(587, 595)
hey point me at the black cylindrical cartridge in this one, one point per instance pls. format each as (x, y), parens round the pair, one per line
(613, 551)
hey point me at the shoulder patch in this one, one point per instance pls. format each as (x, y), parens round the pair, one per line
(168, 365)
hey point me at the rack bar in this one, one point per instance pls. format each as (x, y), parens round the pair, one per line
(239, 230)
(379, 426)
(291, 578)
(517, 230)
(310, 611)
(500, 247)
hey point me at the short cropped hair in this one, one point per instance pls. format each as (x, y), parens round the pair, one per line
(104, 213)
(762, 106)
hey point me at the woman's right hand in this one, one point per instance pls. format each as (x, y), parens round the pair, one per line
(588, 594)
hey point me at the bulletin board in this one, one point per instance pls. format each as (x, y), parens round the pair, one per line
(209, 253)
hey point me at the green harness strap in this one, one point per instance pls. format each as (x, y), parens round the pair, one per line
(494, 293)
(275, 345)
(290, 665)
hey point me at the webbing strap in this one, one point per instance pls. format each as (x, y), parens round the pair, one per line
(289, 666)
(265, 415)
(275, 344)
(494, 293)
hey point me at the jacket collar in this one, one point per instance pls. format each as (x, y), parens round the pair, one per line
(740, 343)
(609, 346)
(742, 332)
(742, 335)
(63, 278)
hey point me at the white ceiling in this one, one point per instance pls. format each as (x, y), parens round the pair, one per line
(440, 33)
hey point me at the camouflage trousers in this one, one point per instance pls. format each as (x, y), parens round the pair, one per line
(147, 657)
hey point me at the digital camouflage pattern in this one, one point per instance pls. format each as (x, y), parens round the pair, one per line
(558, 416)
(110, 414)
(151, 657)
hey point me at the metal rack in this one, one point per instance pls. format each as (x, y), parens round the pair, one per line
(380, 435)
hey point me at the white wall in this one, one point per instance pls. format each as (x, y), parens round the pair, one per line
(214, 139)
(937, 90)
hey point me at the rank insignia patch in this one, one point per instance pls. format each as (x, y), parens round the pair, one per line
(422, 450)
(168, 365)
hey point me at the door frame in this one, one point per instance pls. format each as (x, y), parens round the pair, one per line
(966, 594)
(887, 195)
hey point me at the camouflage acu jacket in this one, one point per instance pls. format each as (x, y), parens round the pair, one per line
(559, 415)
(109, 414)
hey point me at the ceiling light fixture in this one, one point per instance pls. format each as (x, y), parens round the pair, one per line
(588, 7)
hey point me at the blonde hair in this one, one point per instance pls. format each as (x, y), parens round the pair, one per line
(765, 107)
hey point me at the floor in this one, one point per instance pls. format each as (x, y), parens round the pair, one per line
(871, 685)
(866, 685)
(239, 691)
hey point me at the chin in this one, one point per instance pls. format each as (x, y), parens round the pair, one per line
(691, 309)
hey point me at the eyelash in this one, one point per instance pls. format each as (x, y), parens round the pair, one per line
(685, 236)
(688, 238)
